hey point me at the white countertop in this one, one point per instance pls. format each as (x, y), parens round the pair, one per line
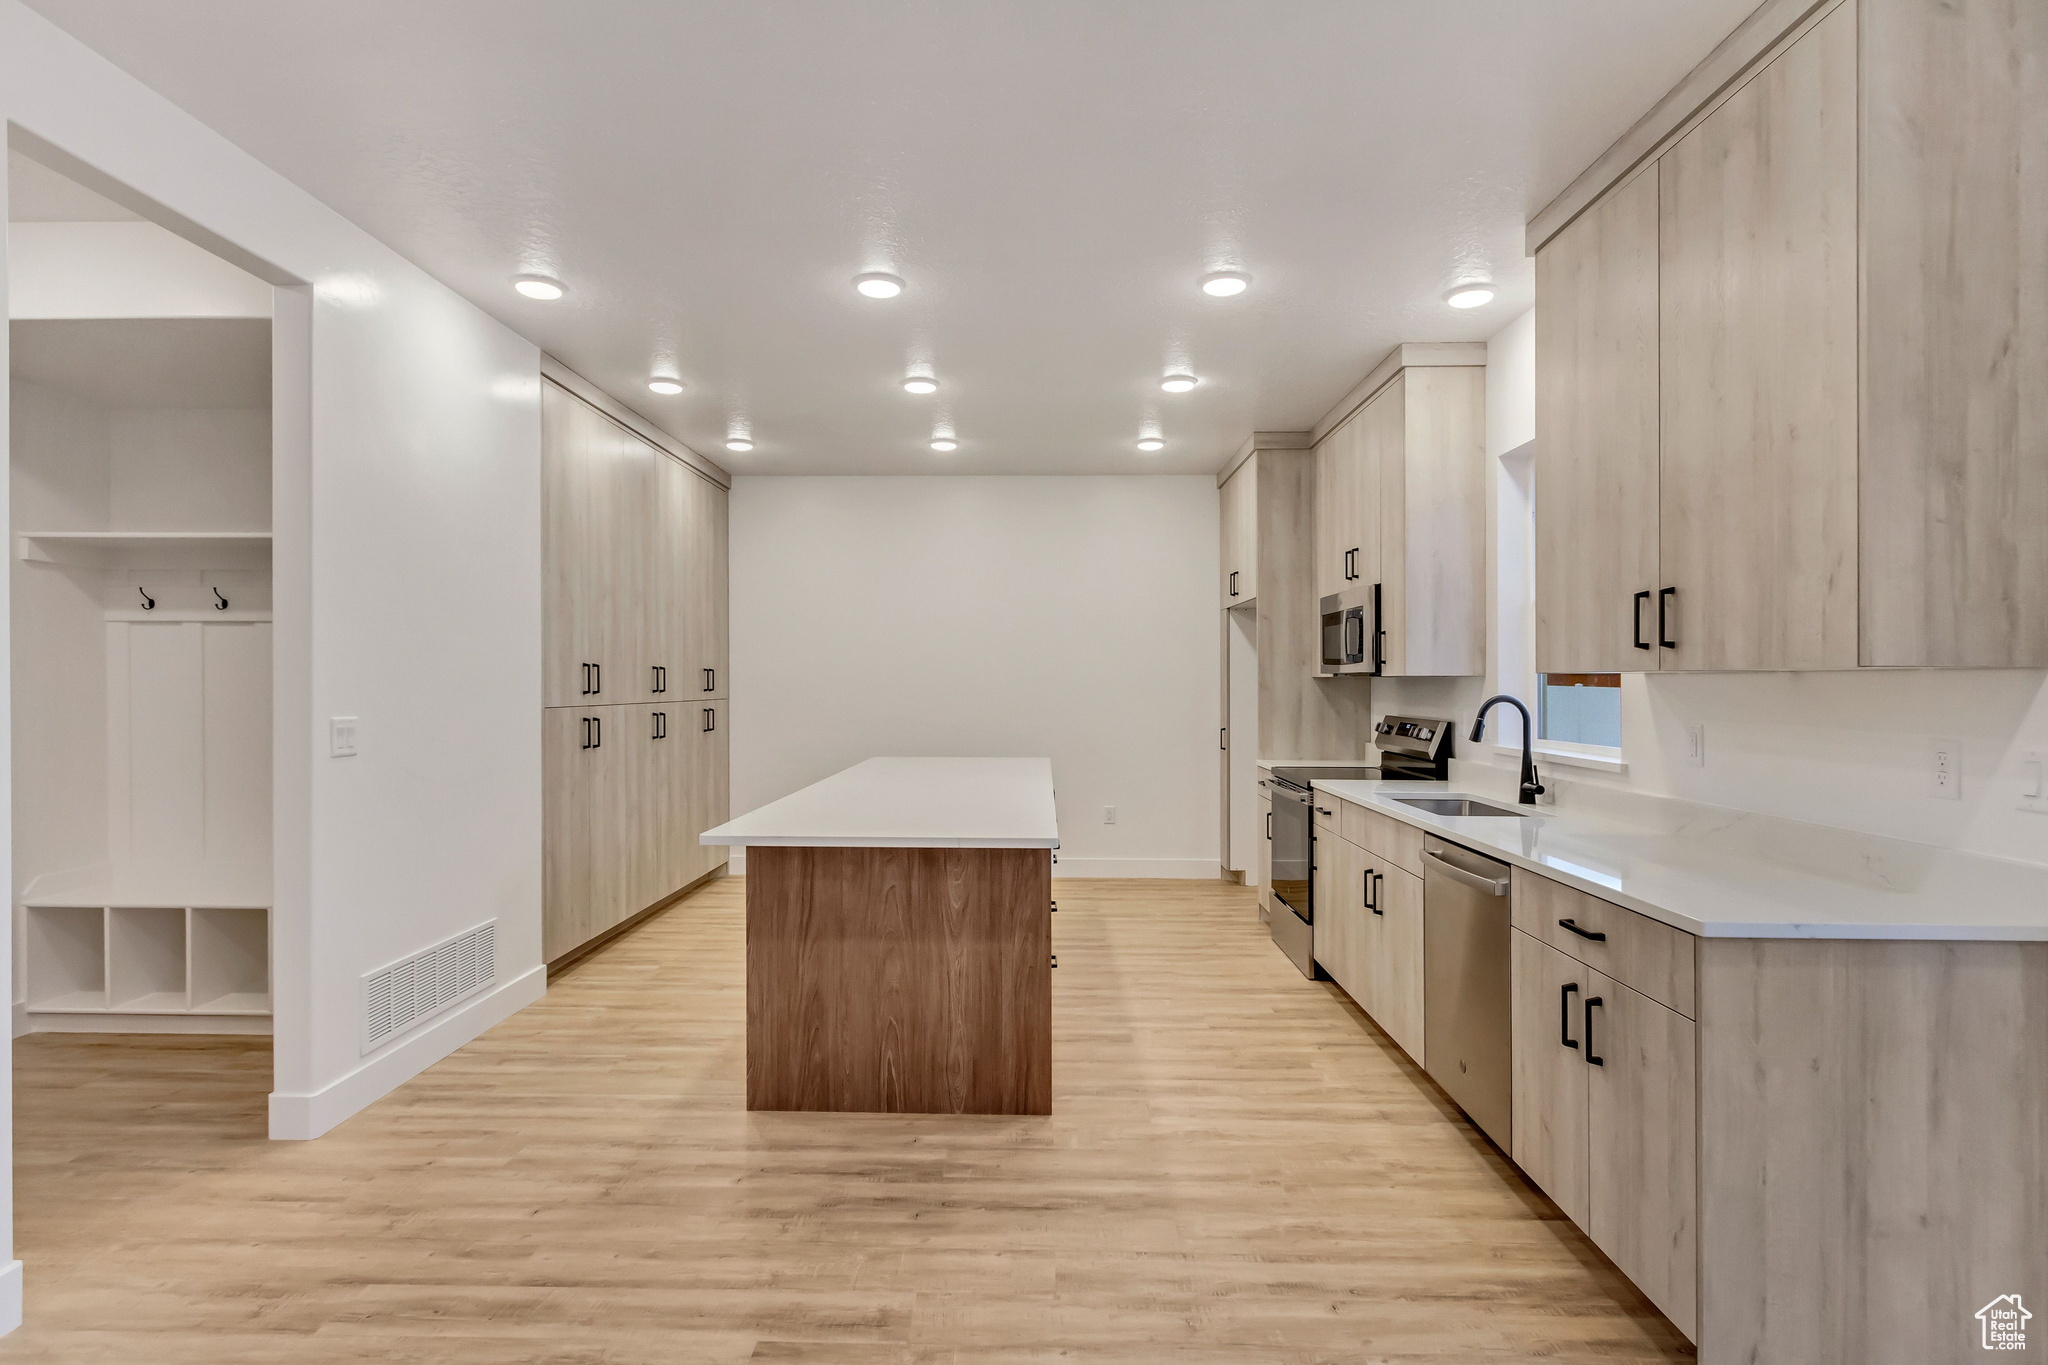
(1731, 879)
(910, 803)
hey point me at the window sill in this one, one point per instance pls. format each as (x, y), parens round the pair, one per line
(1571, 755)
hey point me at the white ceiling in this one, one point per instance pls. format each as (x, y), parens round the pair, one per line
(1051, 178)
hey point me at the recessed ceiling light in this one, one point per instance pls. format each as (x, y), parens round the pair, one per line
(663, 384)
(920, 383)
(1470, 294)
(945, 445)
(1178, 383)
(1151, 443)
(740, 443)
(537, 286)
(877, 285)
(1223, 284)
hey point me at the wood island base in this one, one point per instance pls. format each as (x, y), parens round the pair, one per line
(899, 980)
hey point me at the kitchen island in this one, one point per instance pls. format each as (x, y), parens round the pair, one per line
(899, 939)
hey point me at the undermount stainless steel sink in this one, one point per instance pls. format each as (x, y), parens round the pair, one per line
(1456, 805)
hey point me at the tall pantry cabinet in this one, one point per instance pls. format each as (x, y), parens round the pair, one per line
(634, 732)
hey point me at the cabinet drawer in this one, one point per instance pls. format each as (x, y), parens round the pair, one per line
(1635, 950)
(1326, 808)
(1384, 837)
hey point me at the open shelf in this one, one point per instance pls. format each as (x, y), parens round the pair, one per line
(193, 962)
(47, 545)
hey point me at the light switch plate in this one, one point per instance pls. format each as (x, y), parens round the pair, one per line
(1695, 746)
(1946, 769)
(341, 736)
(2034, 782)
(1109, 815)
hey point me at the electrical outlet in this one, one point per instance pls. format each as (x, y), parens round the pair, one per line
(341, 737)
(2034, 783)
(1695, 746)
(1948, 770)
(1109, 815)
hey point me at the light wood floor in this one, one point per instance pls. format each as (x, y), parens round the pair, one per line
(1239, 1168)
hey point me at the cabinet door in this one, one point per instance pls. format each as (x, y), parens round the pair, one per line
(1758, 364)
(1333, 510)
(707, 800)
(1548, 1107)
(1640, 1132)
(1596, 437)
(666, 594)
(648, 860)
(641, 580)
(577, 624)
(1397, 966)
(1265, 852)
(1432, 519)
(710, 593)
(586, 863)
(1238, 514)
(1339, 908)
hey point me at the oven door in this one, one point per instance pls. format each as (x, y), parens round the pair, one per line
(1292, 827)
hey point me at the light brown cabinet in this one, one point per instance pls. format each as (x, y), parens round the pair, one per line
(1401, 520)
(1603, 1108)
(1265, 848)
(1239, 505)
(1369, 931)
(1830, 352)
(634, 633)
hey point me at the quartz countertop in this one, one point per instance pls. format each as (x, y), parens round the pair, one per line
(910, 803)
(1731, 875)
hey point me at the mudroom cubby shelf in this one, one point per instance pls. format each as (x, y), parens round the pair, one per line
(157, 960)
(100, 547)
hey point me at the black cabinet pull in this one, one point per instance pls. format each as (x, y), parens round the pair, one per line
(1664, 596)
(1269, 825)
(586, 680)
(597, 724)
(660, 678)
(1372, 881)
(1564, 1010)
(710, 719)
(661, 725)
(1641, 598)
(1233, 584)
(1592, 1002)
(1223, 738)
(586, 730)
(1587, 934)
(710, 680)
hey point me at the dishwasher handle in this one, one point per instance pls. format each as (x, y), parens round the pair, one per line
(1492, 886)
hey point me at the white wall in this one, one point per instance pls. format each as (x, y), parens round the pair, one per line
(407, 573)
(1073, 617)
(1847, 749)
(122, 270)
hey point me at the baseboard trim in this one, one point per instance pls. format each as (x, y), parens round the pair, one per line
(626, 926)
(302, 1117)
(116, 1022)
(1177, 869)
(10, 1297)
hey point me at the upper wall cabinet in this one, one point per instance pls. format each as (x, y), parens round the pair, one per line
(1401, 515)
(1785, 425)
(1240, 527)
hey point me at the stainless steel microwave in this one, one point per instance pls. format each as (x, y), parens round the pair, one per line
(1343, 633)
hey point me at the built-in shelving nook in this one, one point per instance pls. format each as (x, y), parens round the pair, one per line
(142, 673)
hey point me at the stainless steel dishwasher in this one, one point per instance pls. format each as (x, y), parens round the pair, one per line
(1465, 1005)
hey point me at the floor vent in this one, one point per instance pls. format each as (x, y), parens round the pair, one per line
(418, 987)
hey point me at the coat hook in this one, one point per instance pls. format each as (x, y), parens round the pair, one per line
(148, 602)
(219, 603)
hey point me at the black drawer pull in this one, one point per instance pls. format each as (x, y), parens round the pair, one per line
(1592, 1002)
(1564, 1010)
(1587, 934)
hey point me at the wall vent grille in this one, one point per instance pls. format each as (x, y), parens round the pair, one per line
(416, 988)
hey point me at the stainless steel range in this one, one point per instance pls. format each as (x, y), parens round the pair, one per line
(1412, 749)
